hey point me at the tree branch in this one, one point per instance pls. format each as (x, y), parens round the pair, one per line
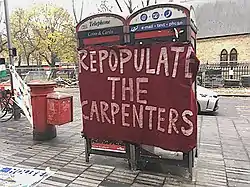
(2, 46)
(74, 10)
(142, 2)
(45, 57)
(128, 5)
(81, 11)
(148, 1)
(119, 6)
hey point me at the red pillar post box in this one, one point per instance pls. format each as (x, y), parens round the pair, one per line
(39, 91)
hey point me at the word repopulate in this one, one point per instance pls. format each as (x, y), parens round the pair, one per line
(116, 60)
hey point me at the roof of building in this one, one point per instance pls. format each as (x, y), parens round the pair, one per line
(223, 18)
(223, 36)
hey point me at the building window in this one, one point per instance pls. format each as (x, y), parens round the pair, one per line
(233, 57)
(224, 57)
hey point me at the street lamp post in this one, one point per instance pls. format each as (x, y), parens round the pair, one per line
(7, 21)
(17, 113)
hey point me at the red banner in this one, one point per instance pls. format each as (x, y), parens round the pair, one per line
(141, 94)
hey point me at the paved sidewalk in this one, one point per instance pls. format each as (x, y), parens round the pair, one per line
(233, 92)
(224, 149)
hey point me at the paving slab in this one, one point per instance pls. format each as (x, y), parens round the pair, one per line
(223, 160)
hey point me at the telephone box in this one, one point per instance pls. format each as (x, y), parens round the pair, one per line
(126, 68)
(171, 23)
(163, 23)
(101, 30)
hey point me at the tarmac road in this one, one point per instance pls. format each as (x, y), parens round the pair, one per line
(234, 107)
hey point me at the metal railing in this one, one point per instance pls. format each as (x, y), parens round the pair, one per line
(48, 73)
(215, 74)
(238, 69)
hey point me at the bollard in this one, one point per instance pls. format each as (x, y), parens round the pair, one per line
(39, 91)
(17, 112)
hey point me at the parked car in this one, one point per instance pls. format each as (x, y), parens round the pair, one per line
(207, 100)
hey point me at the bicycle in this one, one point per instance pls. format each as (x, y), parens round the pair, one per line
(6, 105)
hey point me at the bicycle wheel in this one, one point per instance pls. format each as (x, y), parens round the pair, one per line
(3, 111)
(8, 113)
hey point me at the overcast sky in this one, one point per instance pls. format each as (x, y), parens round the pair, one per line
(13, 4)
(90, 4)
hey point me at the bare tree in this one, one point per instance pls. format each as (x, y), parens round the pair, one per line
(104, 7)
(130, 5)
(147, 3)
(119, 6)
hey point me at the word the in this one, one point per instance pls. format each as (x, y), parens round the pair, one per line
(133, 86)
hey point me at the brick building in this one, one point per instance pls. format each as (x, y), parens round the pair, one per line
(223, 32)
(224, 49)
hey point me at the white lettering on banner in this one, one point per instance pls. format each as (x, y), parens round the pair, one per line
(138, 118)
(156, 122)
(126, 59)
(84, 54)
(104, 108)
(139, 91)
(124, 115)
(148, 69)
(92, 61)
(94, 110)
(117, 61)
(130, 88)
(84, 116)
(160, 119)
(151, 109)
(103, 54)
(163, 60)
(187, 132)
(177, 51)
(139, 68)
(115, 108)
(173, 118)
(113, 79)
(188, 74)
(111, 66)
